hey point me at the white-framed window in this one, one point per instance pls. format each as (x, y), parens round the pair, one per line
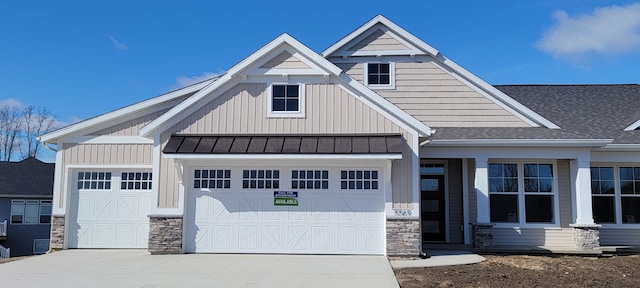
(94, 180)
(286, 100)
(615, 194)
(522, 192)
(135, 180)
(380, 75)
(212, 178)
(25, 211)
(260, 179)
(359, 180)
(310, 179)
(40, 246)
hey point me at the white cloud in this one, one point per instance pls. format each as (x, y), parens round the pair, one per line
(611, 30)
(11, 102)
(184, 81)
(117, 44)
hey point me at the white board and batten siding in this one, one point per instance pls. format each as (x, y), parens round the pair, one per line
(329, 110)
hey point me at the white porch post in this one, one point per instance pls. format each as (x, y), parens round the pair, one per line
(581, 177)
(482, 191)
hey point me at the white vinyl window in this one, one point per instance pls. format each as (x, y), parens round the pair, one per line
(286, 100)
(212, 178)
(260, 179)
(522, 193)
(135, 181)
(310, 179)
(615, 194)
(359, 180)
(380, 75)
(94, 180)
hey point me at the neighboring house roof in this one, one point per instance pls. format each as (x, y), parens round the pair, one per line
(583, 111)
(29, 177)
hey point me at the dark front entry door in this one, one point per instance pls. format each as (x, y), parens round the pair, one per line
(432, 207)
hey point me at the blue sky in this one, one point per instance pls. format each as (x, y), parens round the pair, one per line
(80, 59)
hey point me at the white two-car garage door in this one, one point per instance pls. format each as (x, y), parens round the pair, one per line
(328, 211)
(109, 209)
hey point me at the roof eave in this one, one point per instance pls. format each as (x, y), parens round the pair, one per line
(586, 143)
(621, 147)
(73, 128)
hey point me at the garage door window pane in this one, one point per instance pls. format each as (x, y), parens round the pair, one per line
(300, 179)
(212, 178)
(135, 181)
(260, 179)
(359, 179)
(94, 180)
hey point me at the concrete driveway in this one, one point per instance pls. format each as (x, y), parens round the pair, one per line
(136, 268)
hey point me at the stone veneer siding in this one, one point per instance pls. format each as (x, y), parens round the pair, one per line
(586, 237)
(482, 235)
(57, 233)
(403, 236)
(165, 234)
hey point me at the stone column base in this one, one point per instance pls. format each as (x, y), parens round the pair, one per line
(403, 236)
(57, 233)
(165, 234)
(481, 235)
(586, 236)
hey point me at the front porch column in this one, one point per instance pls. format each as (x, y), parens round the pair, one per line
(581, 177)
(482, 191)
(586, 234)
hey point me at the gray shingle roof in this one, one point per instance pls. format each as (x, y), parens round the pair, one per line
(582, 111)
(28, 177)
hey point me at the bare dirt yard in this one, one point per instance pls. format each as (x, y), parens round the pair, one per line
(529, 271)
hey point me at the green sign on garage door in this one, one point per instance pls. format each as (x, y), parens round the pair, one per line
(285, 198)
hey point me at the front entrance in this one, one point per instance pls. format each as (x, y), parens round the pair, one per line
(433, 213)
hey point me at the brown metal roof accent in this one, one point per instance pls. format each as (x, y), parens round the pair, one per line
(223, 145)
(284, 144)
(173, 144)
(309, 145)
(189, 144)
(206, 145)
(274, 145)
(291, 145)
(377, 144)
(257, 145)
(240, 145)
(360, 145)
(343, 145)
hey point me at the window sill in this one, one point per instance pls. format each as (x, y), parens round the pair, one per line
(381, 87)
(285, 115)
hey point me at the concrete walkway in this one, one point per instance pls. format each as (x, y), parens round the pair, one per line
(135, 268)
(440, 258)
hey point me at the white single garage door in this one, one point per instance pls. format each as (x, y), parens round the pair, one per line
(109, 209)
(337, 212)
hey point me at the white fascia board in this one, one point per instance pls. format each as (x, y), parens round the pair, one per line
(633, 126)
(422, 129)
(386, 22)
(526, 114)
(521, 142)
(236, 70)
(109, 140)
(285, 156)
(620, 147)
(65, 131)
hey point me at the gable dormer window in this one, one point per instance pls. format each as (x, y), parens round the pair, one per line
(380, 75)
(286, 100)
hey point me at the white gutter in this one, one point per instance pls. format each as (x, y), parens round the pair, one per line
(284, 156)
(620, 147)
(523, 142)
